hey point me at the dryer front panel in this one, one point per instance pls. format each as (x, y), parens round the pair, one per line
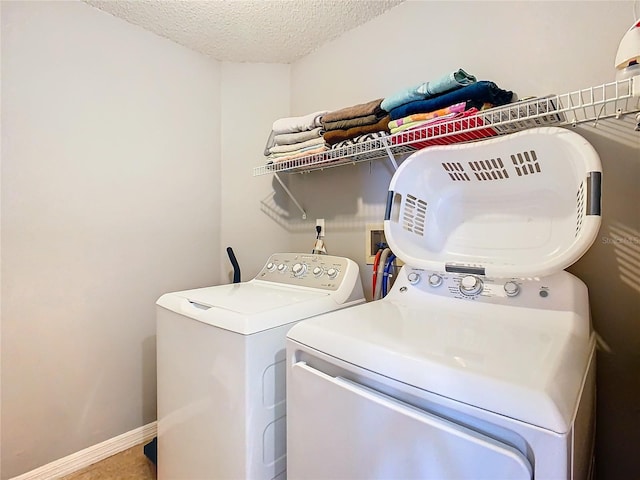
(341, 429)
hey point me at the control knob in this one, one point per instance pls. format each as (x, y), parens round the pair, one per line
(271, 266)
(413, 278)
(435, 280)
(318, 271)
(299, 269)
(470, 285)
(511, 289)
(332, 273)
(282, 267)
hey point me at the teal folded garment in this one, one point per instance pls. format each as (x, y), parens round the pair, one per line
(426, 90)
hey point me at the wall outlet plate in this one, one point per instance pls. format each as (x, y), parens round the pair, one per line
(320, 223)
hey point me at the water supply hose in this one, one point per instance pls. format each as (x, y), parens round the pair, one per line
(385, 275)
(376, 262)
(380, 272)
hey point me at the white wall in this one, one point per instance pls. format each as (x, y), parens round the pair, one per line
(533, 48)
(110, 197)
(252, 96)
(114, 144)
(0, 251)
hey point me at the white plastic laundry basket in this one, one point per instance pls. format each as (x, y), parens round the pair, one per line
(521, 205)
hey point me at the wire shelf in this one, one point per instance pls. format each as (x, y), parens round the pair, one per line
(592, 104)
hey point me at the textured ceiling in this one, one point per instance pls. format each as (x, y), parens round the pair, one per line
(257, 31)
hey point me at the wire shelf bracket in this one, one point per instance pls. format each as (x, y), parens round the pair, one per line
(293, 199)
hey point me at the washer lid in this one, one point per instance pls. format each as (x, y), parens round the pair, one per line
(522, 363)
(248, 307)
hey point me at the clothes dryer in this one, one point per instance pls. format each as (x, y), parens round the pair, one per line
(426, 384)
(479, 363)
(221, 365)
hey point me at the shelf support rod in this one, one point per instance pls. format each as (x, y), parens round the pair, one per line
(390, 153)
(284, 187)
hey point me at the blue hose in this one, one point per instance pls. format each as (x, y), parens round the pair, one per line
(385, 275)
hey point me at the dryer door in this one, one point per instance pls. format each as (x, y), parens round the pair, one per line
(340, 429)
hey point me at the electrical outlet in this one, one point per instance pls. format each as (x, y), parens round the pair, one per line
(320, 223)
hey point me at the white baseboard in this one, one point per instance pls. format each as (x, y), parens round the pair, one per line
(79, 460)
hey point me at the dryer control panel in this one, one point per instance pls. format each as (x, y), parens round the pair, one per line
(307, 270)
(554, 292)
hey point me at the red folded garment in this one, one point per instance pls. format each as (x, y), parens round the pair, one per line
(422, 136)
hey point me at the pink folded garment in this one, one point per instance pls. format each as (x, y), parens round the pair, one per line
(418, 117)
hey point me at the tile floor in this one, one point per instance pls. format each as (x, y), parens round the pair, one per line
(132, 464)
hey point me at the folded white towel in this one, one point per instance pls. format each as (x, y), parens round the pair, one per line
(297, 146)
(297, 137)
(298, 124)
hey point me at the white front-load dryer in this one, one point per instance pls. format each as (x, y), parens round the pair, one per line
(479, 364)
(430, 384)
(221, 366)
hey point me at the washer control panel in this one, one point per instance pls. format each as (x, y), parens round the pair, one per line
(315, 271)
(509, 291)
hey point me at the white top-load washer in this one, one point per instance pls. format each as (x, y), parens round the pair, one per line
(479, 363)
(221, 365)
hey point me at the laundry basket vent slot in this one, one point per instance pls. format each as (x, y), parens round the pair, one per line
(489, 169)
(414, 215)
(526, 163)
(456, 171)
(580, 208)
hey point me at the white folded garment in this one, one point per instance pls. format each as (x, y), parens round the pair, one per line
(298, 124)
(297, 146)
(297, 137)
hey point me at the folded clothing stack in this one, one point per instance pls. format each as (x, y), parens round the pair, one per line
(293, 137)
(451, 96)
(476, 95)
(457, 95)
(365, 120)
(426, 90)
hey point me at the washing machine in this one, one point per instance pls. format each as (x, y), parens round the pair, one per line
(221, 365)
(479, 363)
